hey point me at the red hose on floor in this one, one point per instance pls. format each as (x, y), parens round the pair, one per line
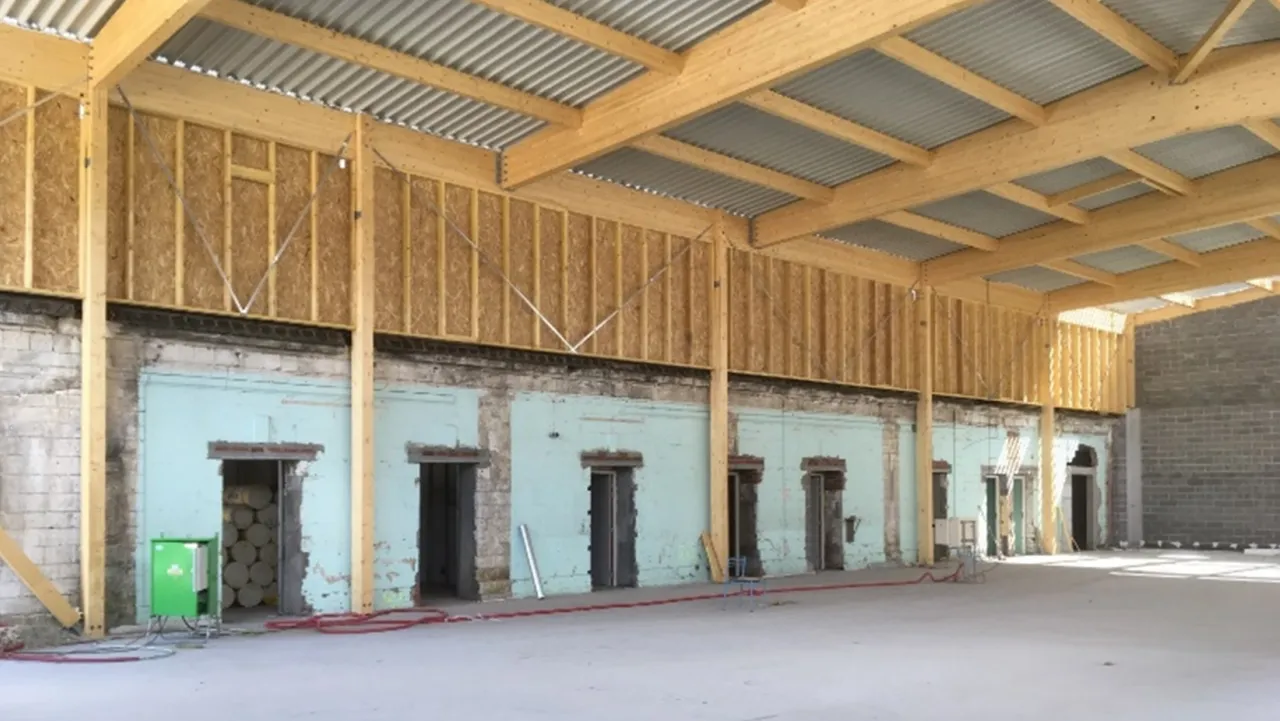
(400, 619)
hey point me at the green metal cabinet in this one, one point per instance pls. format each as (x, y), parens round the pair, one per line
(184, 577)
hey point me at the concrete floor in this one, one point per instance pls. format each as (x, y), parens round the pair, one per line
(1130, 636)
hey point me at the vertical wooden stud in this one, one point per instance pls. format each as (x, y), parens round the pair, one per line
(644, 295)
(770, 312)
(93, 361)
(788, 351)
(227, 302)
(506, 270)
(719, 399)
(179, 218)
(314, 222)
(474, 232)
(666, 294)
(537, 275)
(29, 196)
(442, 234)
(273, 240)
(594, 261)
(363, 291)
(564, 272)
(619, 321)
(842, 332)
(924, 426)
(690, 329)
(131, 200)
(751, 340)
(808, 349)
(406, 251)
(1049, 365)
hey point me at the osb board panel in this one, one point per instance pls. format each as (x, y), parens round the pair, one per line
(681, 330)
(739, 309)
(797, 330)
(293, 270)
(424, 257)
(154, 216)
(655, 296)
(249, 152)
(699, 302)
(815, 333)
(250, 224)
(778, 325)
(333, 245)
(606, 286)
(389, 237)
(13, 184)
(458, 260)
(578, 309)
(119, 125)
(491, 285)
(520, 248)
(56, 262)
(759, 340)
(831, 326)
(204, 155)
(633, 276)
(550, 289)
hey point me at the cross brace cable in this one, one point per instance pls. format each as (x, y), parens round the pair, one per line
(32, 107)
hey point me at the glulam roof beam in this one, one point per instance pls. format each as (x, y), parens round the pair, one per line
(1121, 33)
(133, 32)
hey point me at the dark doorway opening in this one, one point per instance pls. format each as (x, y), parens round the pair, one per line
(613, 528)
(1084, 501)
(262, 559)
(824, 523)
(447, 531)
(1004, 516)
(744, 537)
(940, 486)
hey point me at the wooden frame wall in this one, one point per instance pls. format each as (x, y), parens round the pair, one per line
(786, 319)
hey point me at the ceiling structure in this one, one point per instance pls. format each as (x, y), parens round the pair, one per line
(1117, 154)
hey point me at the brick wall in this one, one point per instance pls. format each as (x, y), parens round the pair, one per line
(1209, 394)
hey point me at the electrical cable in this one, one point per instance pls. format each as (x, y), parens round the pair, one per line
(149, 646)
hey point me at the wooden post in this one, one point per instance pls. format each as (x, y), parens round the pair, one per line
(362, 317)
(93, 361)
(1048, 359)
(718, 490)
(924, 427)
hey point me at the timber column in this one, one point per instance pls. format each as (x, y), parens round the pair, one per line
(362, 320)
(1048, 360)
(718, 467)
(924, 427)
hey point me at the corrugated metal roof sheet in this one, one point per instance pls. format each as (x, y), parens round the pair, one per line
(1196, 155)
(892, 239)
(1211, 239)
(75, 18)
(890, 97)
(1036, 278)
(643, 171)
(1122, 260)
(1227, 289)
(1179, 24)
(473, 39)
(1111, 197)
(1137, 306)
(673, 24)
(985, 213)
(1071, 176)
(767, 140)
(206, 46)
(1027, 46)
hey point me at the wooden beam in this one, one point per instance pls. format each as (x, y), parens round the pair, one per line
(766, 47)
(1097, 187)
(1265, 129)
(302, 34)
(589, 32)
(1050, 366)
(1028, 198)
(1172, 250)
(1230, 16)
(718, 490)
(1170, 312)
(93, 360)
(945, 71)
(939, 229)
(46, 61)
(1235, 264)
(924, 426)
(1236, 195)
(12, 555)
(1266, 226)
(1080, 270)
(1122, 33)
(837, 127)
(791, 4)
(1237, 83)
(1152, 172)
(135, 30)
(715, 162)
(363, 291)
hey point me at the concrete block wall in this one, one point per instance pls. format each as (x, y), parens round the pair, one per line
(1209, 394)
(175, 389)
